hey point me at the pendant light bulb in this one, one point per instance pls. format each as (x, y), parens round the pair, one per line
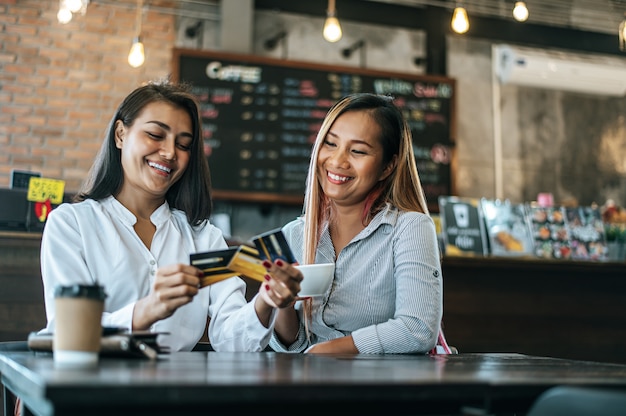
(332, 28)
(136, 56)
(74, 6)
(460, 22)
(520, 11)
(64, 16)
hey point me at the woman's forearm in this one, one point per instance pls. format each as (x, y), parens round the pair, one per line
(287, 326)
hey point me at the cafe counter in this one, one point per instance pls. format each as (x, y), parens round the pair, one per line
(569, 309)
(21, 294)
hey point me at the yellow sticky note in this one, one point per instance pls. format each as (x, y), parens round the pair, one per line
(43, 189)
(437, 220)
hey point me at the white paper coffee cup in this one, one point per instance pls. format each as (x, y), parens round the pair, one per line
(78, 326)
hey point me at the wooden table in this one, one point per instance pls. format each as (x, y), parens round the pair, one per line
(212, 383)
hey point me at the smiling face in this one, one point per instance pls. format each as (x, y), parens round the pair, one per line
(155, 150)
(350, 161)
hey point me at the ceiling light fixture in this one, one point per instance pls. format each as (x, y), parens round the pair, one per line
(332, 28)
(520, 11)
(67, 8)
(358, 45)
(460, 21)
(136, 56)
(279, 38)
(64, 15)
(193, 30)
(74, 5)
(347, 52)
(271, 43)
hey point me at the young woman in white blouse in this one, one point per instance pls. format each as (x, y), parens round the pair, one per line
(365, 211)
(142, 211)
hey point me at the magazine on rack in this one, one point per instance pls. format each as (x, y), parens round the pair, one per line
(507, 228)
(462, 225)
(550, 233)
(587, 235)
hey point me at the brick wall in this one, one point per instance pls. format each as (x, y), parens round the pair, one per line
(60, 84)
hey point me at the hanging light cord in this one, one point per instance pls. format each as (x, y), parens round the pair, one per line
(138, 18)
(332, 11)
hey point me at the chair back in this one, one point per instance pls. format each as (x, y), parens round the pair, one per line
(579, 401)
(442, 346)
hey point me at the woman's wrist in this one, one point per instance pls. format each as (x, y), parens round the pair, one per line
(139, 320)
(264, 309)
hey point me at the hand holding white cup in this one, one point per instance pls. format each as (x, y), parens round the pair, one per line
(317, 279)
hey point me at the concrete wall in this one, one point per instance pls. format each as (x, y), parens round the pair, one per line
(570, 144)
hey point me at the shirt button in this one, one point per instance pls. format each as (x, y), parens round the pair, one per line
(152, 262)
(152, 272)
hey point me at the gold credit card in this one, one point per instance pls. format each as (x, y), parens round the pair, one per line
(218, 265)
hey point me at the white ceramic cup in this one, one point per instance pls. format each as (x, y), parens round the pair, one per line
(78, 325)
(317, 279)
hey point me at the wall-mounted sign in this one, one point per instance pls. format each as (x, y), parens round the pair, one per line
(260, 118)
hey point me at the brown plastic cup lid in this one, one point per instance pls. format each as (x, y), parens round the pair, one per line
(80, 291)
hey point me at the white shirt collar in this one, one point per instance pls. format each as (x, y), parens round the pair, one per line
(158, 217)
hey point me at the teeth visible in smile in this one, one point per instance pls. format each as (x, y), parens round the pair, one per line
(338, 178)
(159, 167)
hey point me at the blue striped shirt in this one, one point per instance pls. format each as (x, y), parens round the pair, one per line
(387, 290)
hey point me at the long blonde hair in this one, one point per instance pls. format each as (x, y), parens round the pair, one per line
(402, 188)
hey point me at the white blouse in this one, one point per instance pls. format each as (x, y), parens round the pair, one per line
(95, 242)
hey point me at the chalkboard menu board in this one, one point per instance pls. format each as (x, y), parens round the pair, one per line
(261, 115)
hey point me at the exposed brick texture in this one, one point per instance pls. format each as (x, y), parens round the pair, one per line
(60, 84)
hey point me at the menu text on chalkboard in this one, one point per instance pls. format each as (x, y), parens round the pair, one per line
(261, 116)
